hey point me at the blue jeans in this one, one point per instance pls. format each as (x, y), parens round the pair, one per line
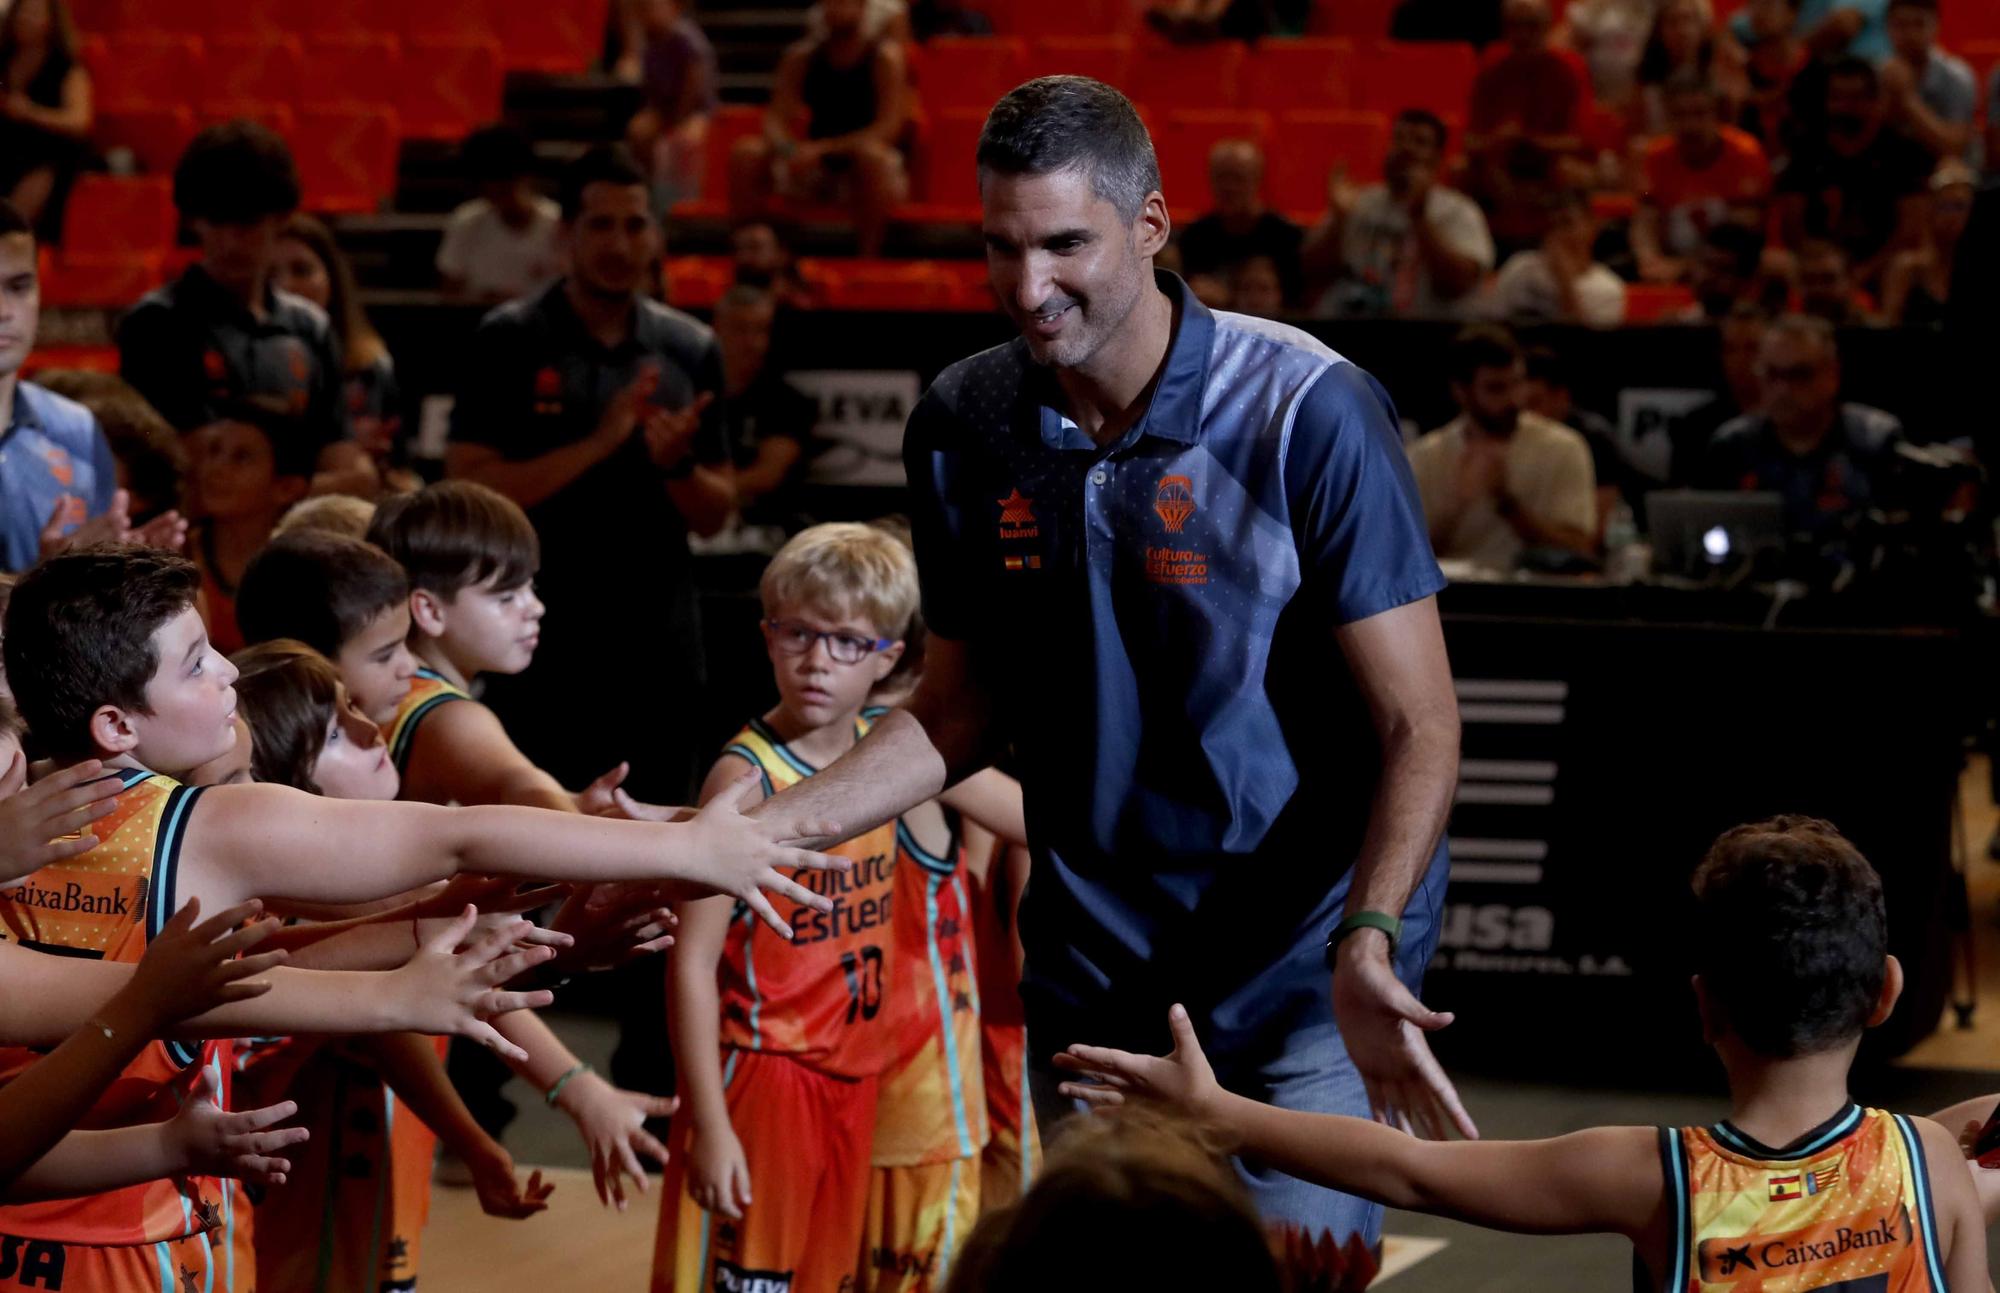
(1307, 1069)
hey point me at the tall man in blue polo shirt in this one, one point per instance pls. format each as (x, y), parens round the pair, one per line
(1176, 558)
(58, 480)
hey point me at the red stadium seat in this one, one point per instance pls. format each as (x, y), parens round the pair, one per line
(1184, 144)
(1310, 145)
(148, 69)
(265, 112)
(351, 17)
(1306, 73)
(102, 282)
(1064, 17)
(730, 123)
(459, 87)
(971, 289)
(454, 17)
(112, 215)
(971, 72)
(947, 181)
(1397, 74)
(1964, 21)
(1365, 18)
(886, 285)
(207, 19)
(156, 135)
(1984, 55)
(545, 36)
(1165, 75)
(347, 157)
(697, 282)
(1652, 302)
(356, 68)
(1107, 58)
(260, 67)
(90, 359)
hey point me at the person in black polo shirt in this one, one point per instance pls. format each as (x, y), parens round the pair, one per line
(593, 408)
(221, 335)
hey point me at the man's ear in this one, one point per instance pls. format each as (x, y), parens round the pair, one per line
(427, 612)
(1892, 989)
(1151, 227)
(111, 730)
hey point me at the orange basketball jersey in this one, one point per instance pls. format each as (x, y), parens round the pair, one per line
(107, 904)
(428, 690)
(933, 1103)
(819, 998)
(1847, 1207)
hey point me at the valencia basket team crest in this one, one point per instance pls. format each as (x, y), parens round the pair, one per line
(1174, 501)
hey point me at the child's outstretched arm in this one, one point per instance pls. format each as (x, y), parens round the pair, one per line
(1604, 1179)
(992, 799)
(1964, 1120)
(718, 1174)
(610, 1119)
(267, 839)
(187, 969)
(1955, 1205)
(200, 1140)
(441, 990)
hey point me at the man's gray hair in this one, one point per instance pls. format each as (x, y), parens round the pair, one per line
(1072, 123)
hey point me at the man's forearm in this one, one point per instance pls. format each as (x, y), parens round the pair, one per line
(1419, 776)
(895, 767)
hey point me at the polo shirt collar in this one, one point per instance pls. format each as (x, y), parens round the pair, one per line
(555, 306)
(198, 287)
(1174, 412)
(25, 417)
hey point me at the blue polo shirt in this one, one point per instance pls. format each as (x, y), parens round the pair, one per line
(1155, 621)
(52, 455)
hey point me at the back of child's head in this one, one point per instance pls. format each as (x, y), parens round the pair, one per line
(456, 535)
(289, 694)
(294, 452)
(846, 570)
(342, 514)
(317, 587)
(79, 635)
(1794, 937)
(1125, 1200)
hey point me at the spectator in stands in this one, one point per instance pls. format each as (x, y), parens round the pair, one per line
(1525, 124)
(880, 20)
(1683, 47)
(1695, 179)
(1257, 286)
(152, 462)
(310, 265)
(1559, 282)
(1829, 459)
(250, 467)
(45, 112)
(1611, 36)
(762, 253)
(1725, 271)
(223, 334)
(1932, 95)
(679, 82)
(1240, 226)
(1194, 21)
(1861, 184)
(1831, 28)
(1741, 340)
(1917, 287)
(932, 18)
(1548, 390)
(1476, 22)
(58, 482)
(1701, 176)
(591, 407)
(1775, 56)
(850, 90)
(1826, 287)
(501, 244)
(769, 421)
(1411, 245)
(1498, 480)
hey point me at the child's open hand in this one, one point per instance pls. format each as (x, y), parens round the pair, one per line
(718, 1173)
(612, 1122)
(238, 1145)
(40, 824)
(502, 1194)
(190, 968)
(1182, 1080)
(494, 895)
(451, 987)
(613, 924)
(744, 856)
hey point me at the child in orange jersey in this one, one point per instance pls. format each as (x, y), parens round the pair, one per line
(1800, 1188)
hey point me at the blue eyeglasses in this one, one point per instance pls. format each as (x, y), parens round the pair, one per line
(794, 638)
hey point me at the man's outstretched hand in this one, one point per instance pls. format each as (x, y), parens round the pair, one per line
(1383, 1027)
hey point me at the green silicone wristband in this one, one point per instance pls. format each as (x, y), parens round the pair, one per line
(1381, 920)
(563, 1081)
